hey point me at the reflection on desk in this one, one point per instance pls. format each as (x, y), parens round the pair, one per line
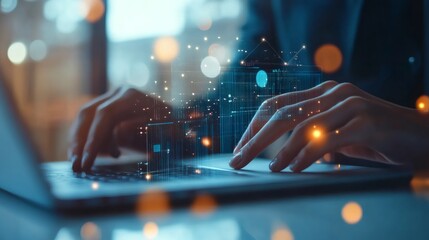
(384, 214)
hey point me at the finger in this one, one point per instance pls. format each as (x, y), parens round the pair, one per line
(315, 127)
(352, 134)
(108, 116)
(287, 118)
(80, 127)
(270, 106)
(363, 152)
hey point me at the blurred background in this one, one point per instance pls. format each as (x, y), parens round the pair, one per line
(58, 54)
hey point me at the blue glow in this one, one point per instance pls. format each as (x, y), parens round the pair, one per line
(156, 148)
(261, 78)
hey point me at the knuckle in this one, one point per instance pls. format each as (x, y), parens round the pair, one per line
(357, 103)
(329, 84)
(345, 88)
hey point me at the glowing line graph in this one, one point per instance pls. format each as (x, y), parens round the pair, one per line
(265, 41)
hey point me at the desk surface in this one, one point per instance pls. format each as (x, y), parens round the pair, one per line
(376, 214)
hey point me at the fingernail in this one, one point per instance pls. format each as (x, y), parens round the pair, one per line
(293, 164)
(235, 150)
(235, 161)
(273, 164)
(85, 160)
(75, 163)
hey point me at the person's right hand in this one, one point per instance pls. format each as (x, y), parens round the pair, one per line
(107, 118)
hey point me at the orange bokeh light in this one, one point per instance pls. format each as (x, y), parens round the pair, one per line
(282, 234)
(205, 141)
(93, 10)
(328, 58)
(203, 204)
(352, 213)
(153, 202)
(150, 230)
(166, 49)
(422, 104)
(90, 231)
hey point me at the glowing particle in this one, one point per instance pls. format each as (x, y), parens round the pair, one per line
(90, 230)
(8, 6)
(203, 205)
(210, 67)
(205, 141)
(261, 78)
(152, 57)
(38, 50)
(303, 46)
(300, 109)
(183, 75)
(197, 48)
(148, 177)
(282, 233)
(242, 62)
(237, 38)
(150, 230)
(95, 186)
(352, 212)
(166, 49)
(263, 39)
(189, 46)
(17, 52)
(165, 88)
(328, 58)
(198, 171)
(422, 104)
(317, 133)
(205, 38)
(337, 131)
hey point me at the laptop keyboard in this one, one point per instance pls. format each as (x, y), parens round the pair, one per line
(183, 172)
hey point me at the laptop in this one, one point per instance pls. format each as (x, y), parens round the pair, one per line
(53, 185)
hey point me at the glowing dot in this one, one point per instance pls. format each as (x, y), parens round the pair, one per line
(138, 75)
(166, 49)
(17, 53)
(8, 6)
(166, 89)
(285, 63)
(282, 234)
(38, 50)
(352, 213)
(205, 141)
(237, 38)
(203, 204)
(218, 51)
(263, 40)
(183, 75)
(338, 167)
(153, 202)
(189, 46)
(205, 38)
(328, 58)
(152, 57)
(317, 133)
(242, 62)
(422, 104)
(197, 48)
(261, 78)
(303, 46)
(93, 10)
(95, 186)
(198, 171)
(150, 230)
(337, 131)
(210, 67)
(90, 231)
(300, 109)
(205, 24)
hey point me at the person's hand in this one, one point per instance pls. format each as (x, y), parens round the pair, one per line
(334, 117)
(113, 119)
